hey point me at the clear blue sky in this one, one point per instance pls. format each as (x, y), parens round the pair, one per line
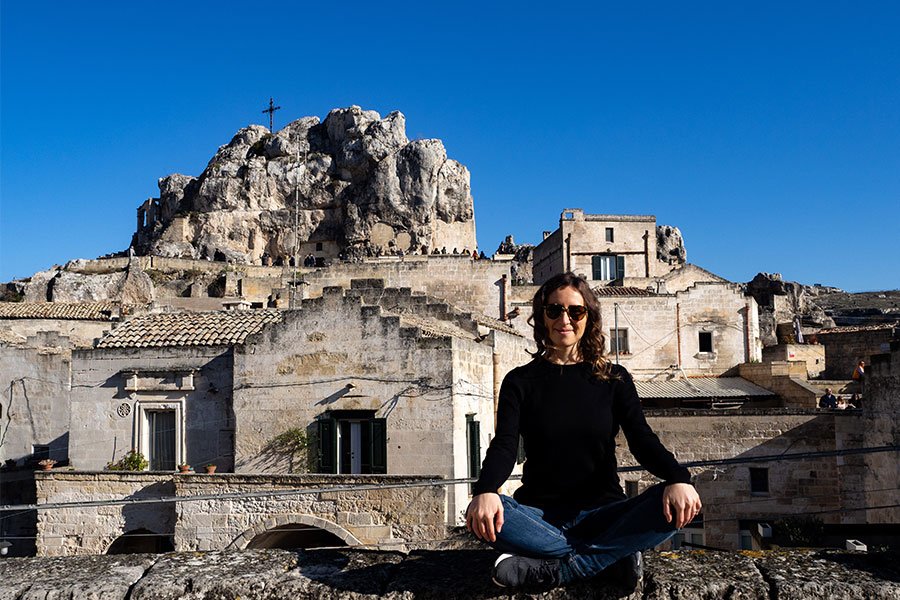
(769, 132)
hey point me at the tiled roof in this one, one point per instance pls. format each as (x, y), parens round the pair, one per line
(495, 324)
(855, 328)
(73, 311)
(221, 328)
(618, 290)
(700, 387)
(434, 328)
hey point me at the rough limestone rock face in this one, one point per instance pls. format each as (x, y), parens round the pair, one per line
(355, 181)
(68, 286)
(781, 302)
(440, 574)
(670, 245)
(137, 287)
(36, 290)
(129, 286)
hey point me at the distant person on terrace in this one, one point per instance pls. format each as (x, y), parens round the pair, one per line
(859, 373)
(570, 519)
(828, 400)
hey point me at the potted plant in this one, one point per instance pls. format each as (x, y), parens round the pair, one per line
(46, 464)
(184, 468)
(210, 468)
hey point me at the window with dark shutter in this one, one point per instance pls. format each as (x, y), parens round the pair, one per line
(327, 442)
(352, 442)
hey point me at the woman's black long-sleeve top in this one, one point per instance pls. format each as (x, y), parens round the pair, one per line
(568, 420)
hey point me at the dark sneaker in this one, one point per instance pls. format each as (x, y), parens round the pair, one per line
(517, 571)
(628, 572)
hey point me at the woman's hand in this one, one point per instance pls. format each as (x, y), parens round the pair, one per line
(683, 498)
(484, 517)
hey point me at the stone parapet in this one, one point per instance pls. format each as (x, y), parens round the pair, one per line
(438, 574)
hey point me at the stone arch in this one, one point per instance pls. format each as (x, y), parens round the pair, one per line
(242, 541)
(141, 541)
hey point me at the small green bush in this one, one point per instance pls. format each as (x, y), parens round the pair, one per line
(132, 461)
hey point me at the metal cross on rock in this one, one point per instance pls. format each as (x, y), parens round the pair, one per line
(271, 110)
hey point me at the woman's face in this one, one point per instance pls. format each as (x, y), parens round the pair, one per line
(563, 331)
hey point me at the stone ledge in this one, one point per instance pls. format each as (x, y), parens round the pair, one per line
(437, 574)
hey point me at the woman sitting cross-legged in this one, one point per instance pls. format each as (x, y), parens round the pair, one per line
(570, 520)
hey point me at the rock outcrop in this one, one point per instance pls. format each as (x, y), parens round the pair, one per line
(354, 183)
(670, 245)
(523, 259)
(438, 574)
(130, 285)
(781, 303)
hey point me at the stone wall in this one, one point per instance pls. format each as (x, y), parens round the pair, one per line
(845, 348)
(382, 516)
(785, 378)
(74, 334)
(811, 354)
(796, 487)
(386, 515)
(664, 330)
(34, 405)
(469, 285)
(106, 414)
(882, 427)
(91, 529)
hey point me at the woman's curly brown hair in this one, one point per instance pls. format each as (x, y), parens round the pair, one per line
(593, 343)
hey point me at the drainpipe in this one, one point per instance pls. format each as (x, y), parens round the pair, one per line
(678, 330)
(747, 330)
(504, 282)
(647, 253)
(616, 319)
(496, 364)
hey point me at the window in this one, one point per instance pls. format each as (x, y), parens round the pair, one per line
(318, 246)
(618, 341)
(706, 344)
(759, 480)
(609, 234)
(161, 426)
(352, 442)
(160, 432)
(607, 266)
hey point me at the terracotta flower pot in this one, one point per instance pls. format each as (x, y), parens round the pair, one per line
(184, 468)
(210, 469)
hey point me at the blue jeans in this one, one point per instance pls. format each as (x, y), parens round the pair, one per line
(587, 541)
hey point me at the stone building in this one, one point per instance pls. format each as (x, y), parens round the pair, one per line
(602, 247)
(383, 381)
(703, 330)
(36, 345)
(846, 346)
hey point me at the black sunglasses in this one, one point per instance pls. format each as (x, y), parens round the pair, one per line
(576, 312)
